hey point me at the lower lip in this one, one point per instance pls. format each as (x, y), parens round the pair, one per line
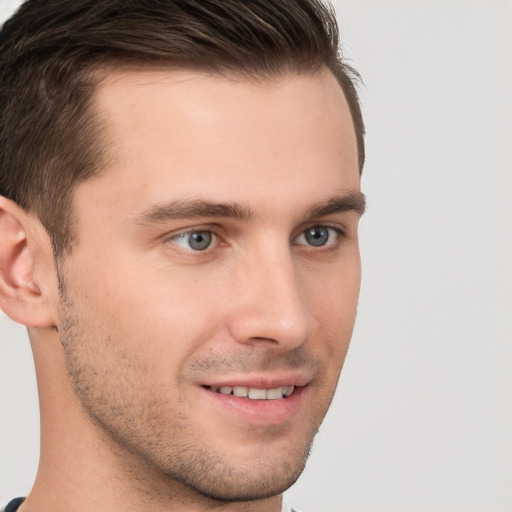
(263, 412)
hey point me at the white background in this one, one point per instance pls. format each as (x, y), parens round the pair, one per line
(423, 416)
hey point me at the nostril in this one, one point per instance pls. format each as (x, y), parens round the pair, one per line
(262, 338)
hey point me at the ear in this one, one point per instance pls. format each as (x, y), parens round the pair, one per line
(22, 249)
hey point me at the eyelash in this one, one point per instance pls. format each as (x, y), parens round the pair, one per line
(217, 239)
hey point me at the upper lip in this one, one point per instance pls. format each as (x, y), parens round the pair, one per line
(261, 381)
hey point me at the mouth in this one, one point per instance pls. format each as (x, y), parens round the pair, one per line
(254, 393)
(258, 401)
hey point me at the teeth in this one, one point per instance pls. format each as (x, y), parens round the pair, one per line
(288, 390)
(240, 391)
(256, 393)
(274, 394)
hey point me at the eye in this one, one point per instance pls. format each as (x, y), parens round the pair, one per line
(318, 236)
(194, 240)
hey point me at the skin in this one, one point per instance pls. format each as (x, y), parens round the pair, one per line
(143, 325)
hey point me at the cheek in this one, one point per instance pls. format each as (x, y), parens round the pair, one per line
(332, 298)
(172, 313)
(332, 293)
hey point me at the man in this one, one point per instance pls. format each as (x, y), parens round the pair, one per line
(180, 195)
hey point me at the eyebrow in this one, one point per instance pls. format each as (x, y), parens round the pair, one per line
(352, 201)
(195, 209)
(192, 209)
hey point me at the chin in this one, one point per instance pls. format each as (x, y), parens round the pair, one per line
(240, 475)
(243, 483)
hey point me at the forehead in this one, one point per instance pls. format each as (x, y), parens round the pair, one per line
(181, 131)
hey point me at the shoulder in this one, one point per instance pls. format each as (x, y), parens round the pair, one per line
(13, 505)
(287, 506)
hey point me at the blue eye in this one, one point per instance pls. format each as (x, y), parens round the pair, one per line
(194, 240)
(317, 236)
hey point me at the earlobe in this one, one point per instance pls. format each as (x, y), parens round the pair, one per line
(20, 295)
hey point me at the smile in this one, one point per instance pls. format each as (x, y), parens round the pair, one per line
(254, 393)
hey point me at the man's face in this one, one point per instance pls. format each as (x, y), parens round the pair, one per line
(209, 303)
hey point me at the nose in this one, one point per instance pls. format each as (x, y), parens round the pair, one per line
(269, 303)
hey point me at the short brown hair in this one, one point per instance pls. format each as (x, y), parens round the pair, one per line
(50, 140)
